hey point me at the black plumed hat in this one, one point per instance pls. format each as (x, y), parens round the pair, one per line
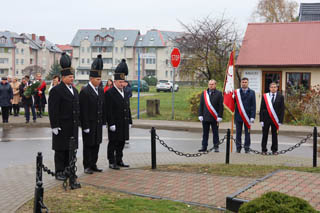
(65, 63)
(96, 67)
(122, 67)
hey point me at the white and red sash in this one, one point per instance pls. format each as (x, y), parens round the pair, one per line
(210, 108)
(271, 111)
(241, 109)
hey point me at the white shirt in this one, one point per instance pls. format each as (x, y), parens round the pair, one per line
(275, 95)
(70, 89)
(121, 92)
(94, 88)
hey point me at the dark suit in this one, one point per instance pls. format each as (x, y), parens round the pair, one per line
(64, 112)
(278, 106)
(118, 114)
(92, 116)
(249, 103)
(27, 103)
(216, 100)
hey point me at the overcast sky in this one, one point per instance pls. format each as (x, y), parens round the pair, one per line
(59, 20)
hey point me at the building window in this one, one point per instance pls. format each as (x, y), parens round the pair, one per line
(82, 61)
(22, 61)
(166, 74)
(1, 50)
(298, 81)
(116, 50)
(109, 49)
(154, 61)
(22, 51)
(17, 71)
(121, 49)
(150, 72)
(17, 61)
(31, 61)
(88, 61)
(170, 73)
(88, 49)
(4, 60)
(107, 60)
(1, 71)
(17, 51)
(3, 40)
(82, 49)
(151, 50)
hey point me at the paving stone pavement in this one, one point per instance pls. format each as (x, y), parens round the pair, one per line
(17, 183)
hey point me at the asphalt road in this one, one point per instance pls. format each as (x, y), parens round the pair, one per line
(19, 146)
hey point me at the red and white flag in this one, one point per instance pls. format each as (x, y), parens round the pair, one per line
(228, 96)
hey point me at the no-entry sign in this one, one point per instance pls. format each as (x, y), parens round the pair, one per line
(175, 57)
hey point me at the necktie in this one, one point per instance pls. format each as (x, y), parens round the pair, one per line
(272, 100)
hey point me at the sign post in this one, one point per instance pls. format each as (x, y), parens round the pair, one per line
(138, 108)
(175, 61)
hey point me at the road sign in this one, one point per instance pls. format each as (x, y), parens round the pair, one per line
(175, 57)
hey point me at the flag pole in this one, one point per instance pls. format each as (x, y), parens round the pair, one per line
(234, 71)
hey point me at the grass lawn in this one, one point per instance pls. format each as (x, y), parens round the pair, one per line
(181, 106)
(241, 170)
(93, 199)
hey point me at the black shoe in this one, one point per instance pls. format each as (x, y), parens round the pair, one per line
(123, 165)
(264, 153)
(27, 122)
(114, 166)
(275, 153)
(60, 176)
(216, 149)
(202, 150)
(238, 150)
(247, 151)
(96, 169)
(88, 171)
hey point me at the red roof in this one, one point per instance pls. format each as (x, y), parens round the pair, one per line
(64, 47)
(281, 44)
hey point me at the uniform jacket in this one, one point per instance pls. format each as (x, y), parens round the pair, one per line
(6, 94)
(92, 115)
(118, 114)
(278, 106)
(216, 100)
(249, 104)
(64, 112)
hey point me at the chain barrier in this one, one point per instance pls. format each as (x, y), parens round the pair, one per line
(47, 170)
(188, 154)
(43, 206)
(304, 140)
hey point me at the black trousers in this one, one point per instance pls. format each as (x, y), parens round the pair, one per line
(90, 156)
(247, 140)
(205, 133)
(5, 113)
(16, 109)
(115, 151)
(265, 132)
(27, 108)
(61, 160)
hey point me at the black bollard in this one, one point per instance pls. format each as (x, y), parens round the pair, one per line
(72, 164)
(38, 192)
(315, 138)
(228, 147)
(153, 149)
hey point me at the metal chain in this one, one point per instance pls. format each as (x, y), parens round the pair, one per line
(43, 206)
(45, 169)
(70, 171)
(187, 154)
(285, 150)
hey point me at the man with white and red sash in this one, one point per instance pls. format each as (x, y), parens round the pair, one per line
(245, 113)
(40, 98)
(210, 114)
(271, 114)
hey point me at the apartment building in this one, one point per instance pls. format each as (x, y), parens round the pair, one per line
(115, 44)
(19, 53)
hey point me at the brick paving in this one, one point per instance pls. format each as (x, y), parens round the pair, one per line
(300, 184)
(196, 188)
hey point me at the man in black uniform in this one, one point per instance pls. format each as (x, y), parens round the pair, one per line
(92, 116)
(64, 115)
(118, 117)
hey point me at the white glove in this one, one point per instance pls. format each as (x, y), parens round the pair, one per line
(56, 130)
(219, 120)
(200, 118)
(104, 126)
(262, 124)
(251, 120)
(130, 125)
(86, 131)
(280, 124)
(112, 128)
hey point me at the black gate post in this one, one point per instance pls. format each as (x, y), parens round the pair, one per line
(153, 149)
(228, 147)
(315, 139)
(38, 192)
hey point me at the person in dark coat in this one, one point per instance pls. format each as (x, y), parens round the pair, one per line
(93, 117)
(266, 121)
(118, 117)
(248, 100)
(27, 102)
(207, 119)
(64, 115)
(40, 97)
(6, 97)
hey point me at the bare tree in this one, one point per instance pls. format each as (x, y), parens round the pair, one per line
(206, 45)
(33, 70)
(276, 11)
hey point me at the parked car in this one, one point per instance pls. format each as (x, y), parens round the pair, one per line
(144, 87)
(166, 86)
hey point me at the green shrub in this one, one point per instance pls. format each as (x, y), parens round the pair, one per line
(152, 81)
(276, 202)
(194, 101)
